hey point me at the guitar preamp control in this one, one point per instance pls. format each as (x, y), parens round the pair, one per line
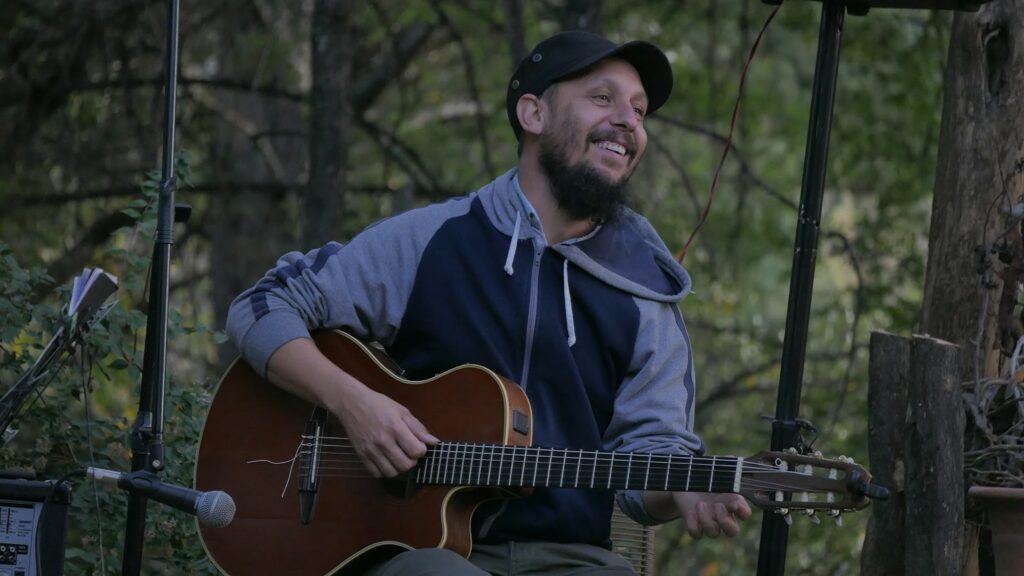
(18, 523)
(31, 533)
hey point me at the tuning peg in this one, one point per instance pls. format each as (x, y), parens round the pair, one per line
(812, 515)
(784, 512)
(836, 515)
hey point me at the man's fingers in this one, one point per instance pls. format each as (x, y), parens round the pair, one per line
(420, 430)
(739, 507)
(707, 514)
(692, 522)
(372, 468)
(726, 521)
(411, 448)
(384, 467)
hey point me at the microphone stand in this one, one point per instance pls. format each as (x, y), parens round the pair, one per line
(147, 431)
(785, 427)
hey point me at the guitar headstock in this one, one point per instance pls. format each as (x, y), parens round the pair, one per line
(787, 481)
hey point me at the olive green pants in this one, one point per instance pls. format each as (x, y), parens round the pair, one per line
(509, 559)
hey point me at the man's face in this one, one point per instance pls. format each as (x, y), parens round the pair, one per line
(594, 139)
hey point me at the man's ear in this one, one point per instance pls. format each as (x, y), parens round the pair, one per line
(532, 113)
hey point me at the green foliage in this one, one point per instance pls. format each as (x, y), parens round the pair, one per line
(83, 416)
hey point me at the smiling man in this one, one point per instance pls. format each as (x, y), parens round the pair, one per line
(545, 277)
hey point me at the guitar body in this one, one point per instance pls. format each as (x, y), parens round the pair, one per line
(253, 432)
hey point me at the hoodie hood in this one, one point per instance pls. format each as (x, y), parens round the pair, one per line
(626, 254)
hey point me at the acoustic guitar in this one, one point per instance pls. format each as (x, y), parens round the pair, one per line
(307, 506)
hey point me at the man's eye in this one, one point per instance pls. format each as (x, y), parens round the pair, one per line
(602, 98)
(639, 111)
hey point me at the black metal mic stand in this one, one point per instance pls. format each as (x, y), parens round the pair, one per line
(786, 426)
(147, 431)
(774, 528)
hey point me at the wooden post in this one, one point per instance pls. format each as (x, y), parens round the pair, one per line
(888, 374)
(933, 449)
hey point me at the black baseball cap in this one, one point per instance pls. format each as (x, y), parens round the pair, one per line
(567, 53)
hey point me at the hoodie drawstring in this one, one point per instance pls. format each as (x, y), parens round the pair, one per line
(511, 256)
(512, 245)
(570, 325)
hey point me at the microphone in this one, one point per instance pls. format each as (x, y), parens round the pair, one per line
(215, 509)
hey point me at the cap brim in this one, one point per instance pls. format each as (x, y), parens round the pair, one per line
(651, 65)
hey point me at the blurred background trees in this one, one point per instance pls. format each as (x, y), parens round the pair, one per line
(304, 121)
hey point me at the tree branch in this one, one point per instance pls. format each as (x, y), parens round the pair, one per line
(734, 153)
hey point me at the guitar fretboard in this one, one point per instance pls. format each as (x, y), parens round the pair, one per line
(465, 464)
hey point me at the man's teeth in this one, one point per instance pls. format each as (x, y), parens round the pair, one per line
(617, 148)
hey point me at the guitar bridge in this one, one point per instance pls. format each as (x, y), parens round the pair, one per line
(309, 463)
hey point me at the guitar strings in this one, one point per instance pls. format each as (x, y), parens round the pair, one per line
(480, 451)
(809, 498)
(532, 458)
(461, 471)
(468, 449)
(355, 469)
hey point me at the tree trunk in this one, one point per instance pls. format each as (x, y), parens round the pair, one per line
(974, 244)
(324, 200)
(248, 230)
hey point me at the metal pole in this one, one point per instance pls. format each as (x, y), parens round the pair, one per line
(147, 431)
(774, 529)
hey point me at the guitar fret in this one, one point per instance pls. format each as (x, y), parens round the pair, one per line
(439, 472)
(551, 457)
(593, 473)
(647, 474)
(611, 467)
(454, 476)
(579, 464)
(561, 477)
(463, 454)
(453, 465)
(711, 479)
(689, 470)
(629, 466)
(536, 465)
(522, 471)
(480, 465)
(439, 464)
(739, 473)
(490, 463)
(472, 460)
(501, 464)
(463, 469)
(432, 473)
(668, 468)
(458, 463)
(512, 465)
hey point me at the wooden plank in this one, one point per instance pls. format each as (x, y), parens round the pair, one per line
(888, 374)
(933, 448)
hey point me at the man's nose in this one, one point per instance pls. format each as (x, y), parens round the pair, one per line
(626, 117)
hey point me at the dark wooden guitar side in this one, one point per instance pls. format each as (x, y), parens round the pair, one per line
(307, 506)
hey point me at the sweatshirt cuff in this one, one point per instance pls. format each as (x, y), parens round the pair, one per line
(268, 334)
(631, 502)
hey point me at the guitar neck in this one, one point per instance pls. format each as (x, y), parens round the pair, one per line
(466, 464)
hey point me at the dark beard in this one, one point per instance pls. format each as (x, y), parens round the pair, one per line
(581, 192)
